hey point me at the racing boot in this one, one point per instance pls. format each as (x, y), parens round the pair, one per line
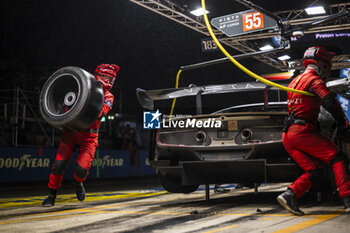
(346, 201)
(80, 191)
(289, 202)
(50, 200)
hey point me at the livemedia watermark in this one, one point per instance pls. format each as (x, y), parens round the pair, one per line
(155, 120)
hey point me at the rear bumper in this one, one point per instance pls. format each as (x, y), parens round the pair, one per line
(272, 151)
(228, 171)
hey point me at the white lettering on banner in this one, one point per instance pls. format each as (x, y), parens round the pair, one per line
(107, 161)
(324, 35)
(24, 161)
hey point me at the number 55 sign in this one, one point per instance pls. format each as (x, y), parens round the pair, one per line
(252, 21)
(243, 22)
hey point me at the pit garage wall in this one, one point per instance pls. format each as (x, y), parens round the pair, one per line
(34, 164)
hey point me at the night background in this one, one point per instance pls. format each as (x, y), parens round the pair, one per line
(39, 37)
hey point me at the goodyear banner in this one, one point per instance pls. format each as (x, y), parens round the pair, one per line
(34, 164)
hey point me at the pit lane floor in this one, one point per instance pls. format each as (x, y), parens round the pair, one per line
(148, 208)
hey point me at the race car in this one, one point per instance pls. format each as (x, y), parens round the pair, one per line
(242, 144)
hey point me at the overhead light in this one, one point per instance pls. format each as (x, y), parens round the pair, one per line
(283, 58)
(315, 10)
(198, 12)
(266, 47)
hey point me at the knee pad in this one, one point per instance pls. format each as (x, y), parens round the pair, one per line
(59, 167)
(80, 172)
(315, 175)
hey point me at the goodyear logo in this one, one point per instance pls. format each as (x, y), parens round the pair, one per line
(25, 161)
(107, 161)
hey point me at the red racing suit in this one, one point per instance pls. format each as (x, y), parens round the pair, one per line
(304, 142)
(88, 141)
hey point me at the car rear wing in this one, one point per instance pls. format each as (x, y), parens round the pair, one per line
(147, 98)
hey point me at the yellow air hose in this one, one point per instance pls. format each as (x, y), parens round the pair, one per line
(176, 86)
(240, 66)
(235, 62)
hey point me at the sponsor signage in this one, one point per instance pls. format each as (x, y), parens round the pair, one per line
(34, 164)
(243, 22)
(339, 38)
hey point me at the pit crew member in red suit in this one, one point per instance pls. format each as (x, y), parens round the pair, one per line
(88, 140)
(301, 138)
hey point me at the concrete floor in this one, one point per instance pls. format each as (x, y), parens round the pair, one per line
(140, 205)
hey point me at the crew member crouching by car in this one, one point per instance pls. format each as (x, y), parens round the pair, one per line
(301, 138)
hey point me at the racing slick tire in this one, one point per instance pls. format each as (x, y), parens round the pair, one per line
(173, 184)
(71, 99)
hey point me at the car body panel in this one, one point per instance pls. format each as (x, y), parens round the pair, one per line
(247, 148)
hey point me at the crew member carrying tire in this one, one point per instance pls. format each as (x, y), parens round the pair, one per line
(301, 138)
(87, 139)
